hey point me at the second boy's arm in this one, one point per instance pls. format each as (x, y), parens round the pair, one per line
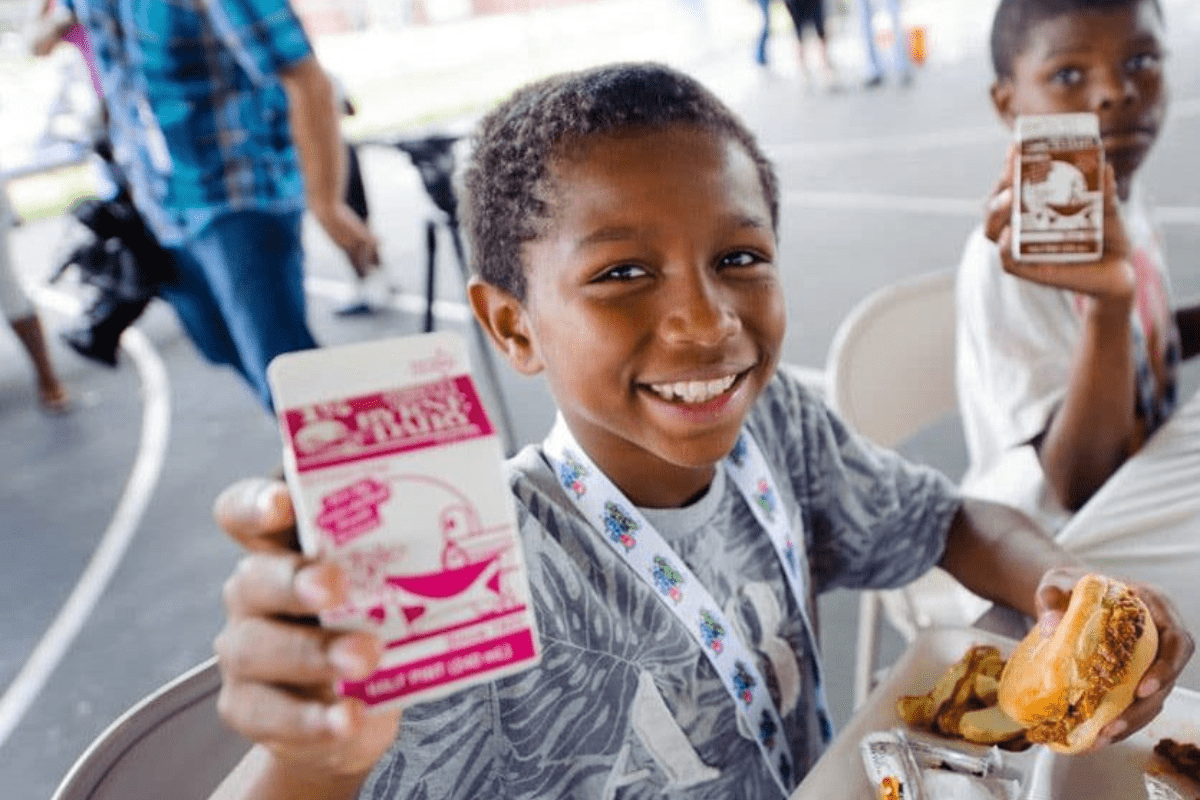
(1094, 428)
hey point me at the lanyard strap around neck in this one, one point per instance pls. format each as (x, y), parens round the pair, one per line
(630, 535)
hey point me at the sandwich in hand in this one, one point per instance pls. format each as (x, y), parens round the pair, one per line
(1065, 687)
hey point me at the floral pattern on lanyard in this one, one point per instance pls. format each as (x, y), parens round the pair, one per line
(667, 578)
(571, 474)
(713, 632)
(765, 497)
(636, 541)
(619, 525)
(743, 682)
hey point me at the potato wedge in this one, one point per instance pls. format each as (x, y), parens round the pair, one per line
(989, 726)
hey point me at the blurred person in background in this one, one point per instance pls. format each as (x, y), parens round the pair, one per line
(227, 129)
(901, 64)
(804, 13)
(19, 311)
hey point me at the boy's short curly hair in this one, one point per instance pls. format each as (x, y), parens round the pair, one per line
(503, 193)
(1014, 19)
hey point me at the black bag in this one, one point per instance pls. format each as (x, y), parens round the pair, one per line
(125, 264)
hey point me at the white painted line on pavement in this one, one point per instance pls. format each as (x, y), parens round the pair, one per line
(341, 291)
(900, 143)
(926, 140)
(942, 206)
(147, 465)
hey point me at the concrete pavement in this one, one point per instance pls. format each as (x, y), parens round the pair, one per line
(876, 185)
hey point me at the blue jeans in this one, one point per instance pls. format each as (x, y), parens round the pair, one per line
(239, 292)
(899, 38)
(760, 54)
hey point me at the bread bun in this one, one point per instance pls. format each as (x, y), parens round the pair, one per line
(1066, 687)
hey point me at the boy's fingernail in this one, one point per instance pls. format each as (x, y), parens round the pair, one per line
(337, 718)
(267, 500)
(314, 594)
(349, 662)
(1149, 687)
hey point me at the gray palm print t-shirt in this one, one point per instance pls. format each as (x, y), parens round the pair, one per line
(624, 704)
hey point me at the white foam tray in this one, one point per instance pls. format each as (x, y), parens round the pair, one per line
(1114, 772)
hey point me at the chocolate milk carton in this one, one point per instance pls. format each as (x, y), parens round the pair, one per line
(1058, 188)
(395, 471)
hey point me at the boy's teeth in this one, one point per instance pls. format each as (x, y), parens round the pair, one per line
(693, 391)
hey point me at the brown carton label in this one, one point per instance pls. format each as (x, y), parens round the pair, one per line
(1058, 205)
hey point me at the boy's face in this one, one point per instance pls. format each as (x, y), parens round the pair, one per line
(654, 305)
(1107, 61)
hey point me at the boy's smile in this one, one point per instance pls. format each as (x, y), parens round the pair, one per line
(654, 304)
(1105, 61)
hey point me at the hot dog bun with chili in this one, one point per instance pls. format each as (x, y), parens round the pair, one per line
(1065, 687)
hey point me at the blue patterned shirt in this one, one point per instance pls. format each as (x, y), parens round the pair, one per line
(624, 704)
(199, 117)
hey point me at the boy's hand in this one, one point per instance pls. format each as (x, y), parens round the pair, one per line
(1110, 281)
(1175, 648)
(279, 666)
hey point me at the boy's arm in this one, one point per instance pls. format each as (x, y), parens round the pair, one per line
(1094, 429)
(278, 667)
(998, 553)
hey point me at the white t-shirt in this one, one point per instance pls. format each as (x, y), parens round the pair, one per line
(1016, 342)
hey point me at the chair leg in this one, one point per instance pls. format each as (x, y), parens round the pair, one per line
(866, 646)
(430, 271)
(485, 351)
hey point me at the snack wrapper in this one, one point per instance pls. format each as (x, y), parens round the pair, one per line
(1158, 789)
(901, 766)
(396, 474)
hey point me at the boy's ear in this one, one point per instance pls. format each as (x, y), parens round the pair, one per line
(504, 319)
(1002, 100)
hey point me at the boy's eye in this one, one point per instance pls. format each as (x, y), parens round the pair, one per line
(741, 258)
(621, 272)
(1068, 76)
(1143, 62)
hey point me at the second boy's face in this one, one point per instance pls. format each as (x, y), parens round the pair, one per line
(1105, 61)
(654, 305)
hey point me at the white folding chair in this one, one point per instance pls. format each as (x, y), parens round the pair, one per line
(172, 744)
(890, 374)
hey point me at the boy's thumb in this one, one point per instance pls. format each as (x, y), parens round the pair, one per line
(258, 513)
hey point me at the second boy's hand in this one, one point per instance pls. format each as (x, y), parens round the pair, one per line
(1110, 281)
(281, 694)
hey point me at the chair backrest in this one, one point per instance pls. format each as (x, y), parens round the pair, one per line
(890, 369)
(171, 744)
(889, 375)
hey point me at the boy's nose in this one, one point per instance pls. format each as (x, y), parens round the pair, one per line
(699, 314)
(1113, 89)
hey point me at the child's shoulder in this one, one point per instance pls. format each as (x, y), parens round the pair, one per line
(792, 394)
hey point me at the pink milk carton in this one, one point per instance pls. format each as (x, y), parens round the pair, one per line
(1058, 201)
(395, 470)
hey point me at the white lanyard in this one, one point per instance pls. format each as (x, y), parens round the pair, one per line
(637, 542)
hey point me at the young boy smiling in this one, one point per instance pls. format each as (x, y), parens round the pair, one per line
(678, 520)
(1065, 369)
